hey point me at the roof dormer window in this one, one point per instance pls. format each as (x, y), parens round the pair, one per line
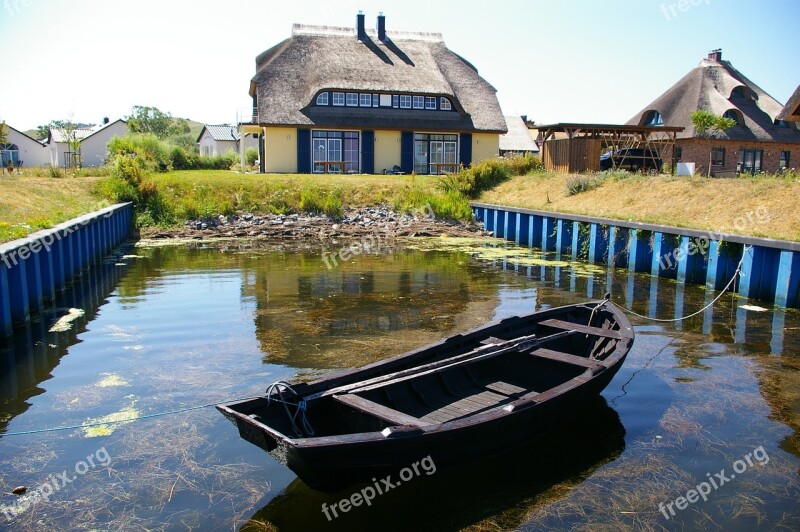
(365, 100)
(322, 99)
(352, 99)
(734, 115)
(419, 102)
(338, 98)
(652, 118)
(444, 104)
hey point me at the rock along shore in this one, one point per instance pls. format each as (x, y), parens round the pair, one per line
(355, 223)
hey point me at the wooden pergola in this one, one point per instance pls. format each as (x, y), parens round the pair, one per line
(576, 148)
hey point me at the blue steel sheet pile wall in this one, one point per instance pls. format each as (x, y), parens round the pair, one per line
(771, 268)
(35, 268)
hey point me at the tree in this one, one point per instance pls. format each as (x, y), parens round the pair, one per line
(145, 119)
(706, 122)
(3, 133)
(69, 129)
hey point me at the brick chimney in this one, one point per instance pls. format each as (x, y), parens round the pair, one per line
(361, 31)
(381, 27)
(715, 55)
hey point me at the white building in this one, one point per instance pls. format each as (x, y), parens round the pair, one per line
(23, 150)
(216, 140)
(93, 143)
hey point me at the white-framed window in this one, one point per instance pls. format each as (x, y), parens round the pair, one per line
(376, 100)
(395, 101)
(386, 100)
(430, 102)
(365, 100)
(338, 98)
(419, 102)
(352, 99)
(322, 99)
(444, 104)
(405, 101)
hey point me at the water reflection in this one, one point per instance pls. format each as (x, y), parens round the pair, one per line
(192, 324)
(452, 499)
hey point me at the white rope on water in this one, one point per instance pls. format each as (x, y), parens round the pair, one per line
(736, 274)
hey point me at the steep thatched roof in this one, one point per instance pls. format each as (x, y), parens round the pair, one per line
(318, 58)
(716, 86)
(791, 111)
(518, 138)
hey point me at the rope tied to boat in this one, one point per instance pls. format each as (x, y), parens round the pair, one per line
(301, 408)
(738, 273)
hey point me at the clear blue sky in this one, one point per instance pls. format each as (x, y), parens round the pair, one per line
(565, 60)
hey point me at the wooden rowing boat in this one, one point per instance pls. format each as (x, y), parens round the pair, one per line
(469, 396)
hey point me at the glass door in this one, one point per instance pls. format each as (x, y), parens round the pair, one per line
(319, 148)
(335, 154)
(421, 156)
(437, 156)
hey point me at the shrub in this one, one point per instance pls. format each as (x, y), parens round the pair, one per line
(524, 164)
(582, 183)
(251, 155)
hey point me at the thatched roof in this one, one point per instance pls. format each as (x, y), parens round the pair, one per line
(220, 132)
(791, 111)
(518, 138)
(716, 86)
(319, 58)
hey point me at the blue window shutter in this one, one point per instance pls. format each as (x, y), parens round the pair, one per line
(466, 149)
(407, 151)
(367, 152)
(304, 151)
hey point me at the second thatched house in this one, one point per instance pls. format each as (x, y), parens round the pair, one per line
(791, 111)
(760, 141)
(361, 101)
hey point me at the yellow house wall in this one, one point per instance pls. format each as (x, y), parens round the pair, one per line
(387, 150)
(280, 150)
(485, 146)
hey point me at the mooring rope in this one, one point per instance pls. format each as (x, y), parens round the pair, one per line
(125, 420)
(736, 274)
(300, 408)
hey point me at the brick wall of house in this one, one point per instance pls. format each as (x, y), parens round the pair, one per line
(698, 151)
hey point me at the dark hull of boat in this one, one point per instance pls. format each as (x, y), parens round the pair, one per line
(333, 460)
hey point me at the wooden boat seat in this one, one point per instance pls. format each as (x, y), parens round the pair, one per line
(466, 406)
(577, 327)
(385, 413)
(566, 358)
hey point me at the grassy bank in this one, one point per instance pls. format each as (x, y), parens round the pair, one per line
(190, 194)
(718, 205)
(29, 203)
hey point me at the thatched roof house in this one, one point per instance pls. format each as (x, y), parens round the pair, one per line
(518, 140)
(791, 111)
(760, 140)
(404, 98)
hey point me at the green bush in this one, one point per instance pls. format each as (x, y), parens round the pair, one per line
(251, 155)
(524, 164)
(582, 183)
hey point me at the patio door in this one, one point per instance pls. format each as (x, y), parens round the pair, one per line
(435, 153)
(750, 161)
(327, 155)
(335, 151)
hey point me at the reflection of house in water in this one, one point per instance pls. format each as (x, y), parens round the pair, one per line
(345, 314)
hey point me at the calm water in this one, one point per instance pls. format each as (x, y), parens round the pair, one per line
(167, 328)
